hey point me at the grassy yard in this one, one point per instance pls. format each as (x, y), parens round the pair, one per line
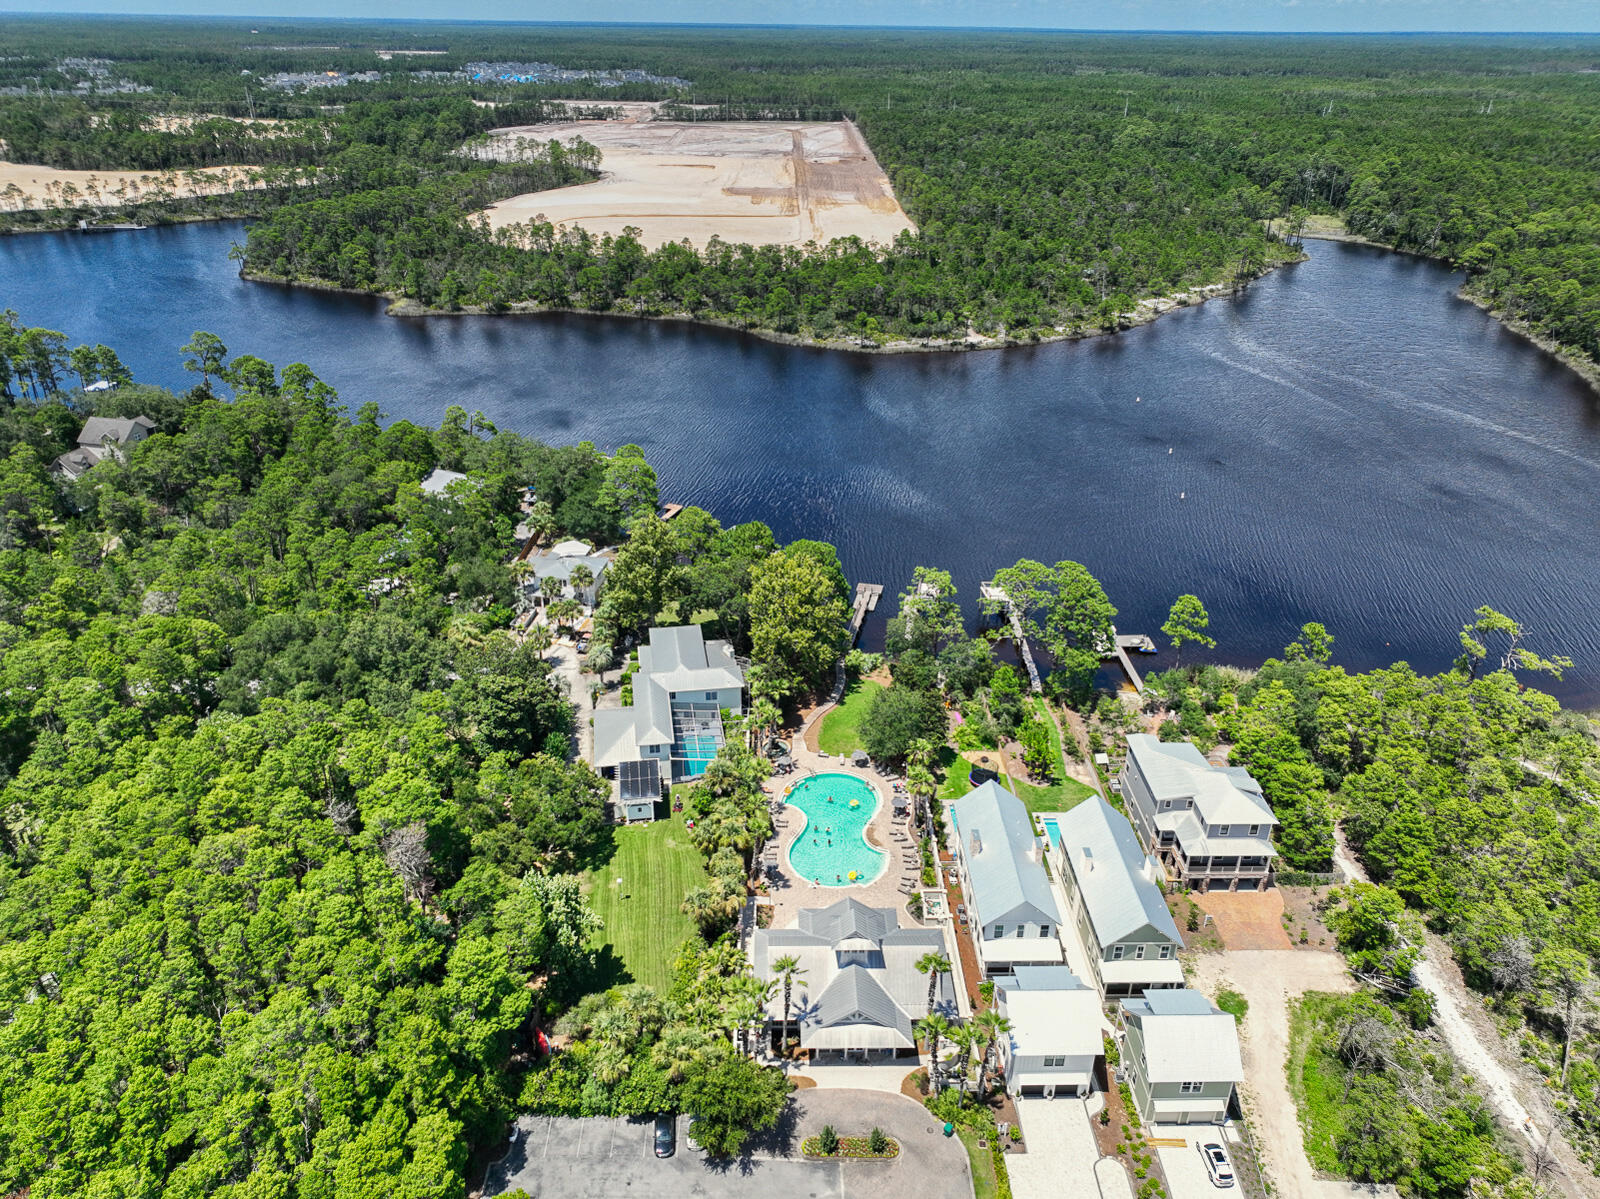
(841, 727)
(658, 866)
(955, 769)
(1316, 1079)
(1062, 794)
(983, 1181)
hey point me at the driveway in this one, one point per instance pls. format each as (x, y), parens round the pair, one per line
(1267, 979)
(567, 663)
(1247, 919)
(1061, 1150)
(558, 1158)
(1186, 1173)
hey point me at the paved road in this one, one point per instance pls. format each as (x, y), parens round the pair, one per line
(557, 1158)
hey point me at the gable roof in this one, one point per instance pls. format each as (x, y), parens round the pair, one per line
(1051, 1011)
(1176, 770)
(440, 479)
(98, 429)
(1008, 879)
(1186, 1038)
(849, 919)
(1112, 872)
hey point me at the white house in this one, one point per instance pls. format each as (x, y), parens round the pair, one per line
(861, 993)
(673, 729)
(1180, 1057)
(1056, 1043)
(1210, 825)
(1000, 860)
(1114, 899)
(102, 437)
(559, 562)
(439, 480)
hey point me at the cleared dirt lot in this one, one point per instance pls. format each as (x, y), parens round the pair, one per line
(40, 187)
(744, 181)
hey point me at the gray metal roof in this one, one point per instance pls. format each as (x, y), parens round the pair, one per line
(856, 997)
(1008, 879)
(1040, 978)
(847, 919)
(436, 482)
(1114, 876)
(559, 566)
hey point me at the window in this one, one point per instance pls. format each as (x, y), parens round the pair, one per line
(1222, 829)
(1138, 953)
(1255, 830)
(1116, 952)
(1044, 930)
(1056, 1062)
(999, 930)
(1189, 1088)
(1166, 805)
(1166, 952)
(711, 697)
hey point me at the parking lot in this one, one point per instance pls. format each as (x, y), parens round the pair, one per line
(555, 1156)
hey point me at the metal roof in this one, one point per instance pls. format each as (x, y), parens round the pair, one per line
(97, 429)
(1114, 876)
(1176, 770)
(1008, 879)
(1186, 1038)
(440, 479)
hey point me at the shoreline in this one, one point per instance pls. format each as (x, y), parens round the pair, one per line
(1581, 364)
(1145, 311)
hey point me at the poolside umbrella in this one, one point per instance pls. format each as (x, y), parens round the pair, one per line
(859, 758)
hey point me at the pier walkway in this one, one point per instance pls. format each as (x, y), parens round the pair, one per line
(997, 595)
(867, 597)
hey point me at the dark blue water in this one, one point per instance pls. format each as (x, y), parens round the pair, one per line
(1347, 443)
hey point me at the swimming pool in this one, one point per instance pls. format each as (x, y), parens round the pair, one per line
(832, 845)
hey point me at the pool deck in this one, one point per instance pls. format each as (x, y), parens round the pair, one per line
(789, 894)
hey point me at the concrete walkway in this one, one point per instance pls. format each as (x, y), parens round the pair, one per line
(884, 1077)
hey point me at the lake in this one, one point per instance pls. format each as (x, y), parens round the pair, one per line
(1346, 442)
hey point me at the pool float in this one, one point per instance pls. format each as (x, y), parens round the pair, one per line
(853, 876)
(855, 803)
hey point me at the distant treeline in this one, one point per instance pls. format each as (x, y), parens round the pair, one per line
(1054, 179)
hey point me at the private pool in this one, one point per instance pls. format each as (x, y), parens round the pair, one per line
(831, 849)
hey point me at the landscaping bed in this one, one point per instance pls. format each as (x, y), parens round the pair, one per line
(854, 1148)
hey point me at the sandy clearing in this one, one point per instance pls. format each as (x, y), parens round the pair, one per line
(41, 187)
(764, 183)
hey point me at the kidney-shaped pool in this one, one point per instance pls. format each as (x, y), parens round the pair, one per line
(831, 849)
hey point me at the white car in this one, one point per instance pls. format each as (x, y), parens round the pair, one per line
(1217, 1163)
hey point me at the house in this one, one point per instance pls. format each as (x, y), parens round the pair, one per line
(681, 688)
(858, 992)
(558, 563)
(1055, 1045)
(1209, 825)
(1180, 1057)
(1114, 899)
(438, 482)
(1014, 916)
(101, 437)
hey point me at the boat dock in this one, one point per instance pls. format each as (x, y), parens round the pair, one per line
(1122, 643)
(997, 595)
(867, 597)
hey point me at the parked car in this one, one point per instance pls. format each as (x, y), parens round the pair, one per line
(1217, 1163)
(666, 1135)
(689, 1137)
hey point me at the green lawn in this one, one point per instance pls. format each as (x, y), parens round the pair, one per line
(983, 1181)
(1063, 794)
(955, 768)
(841, 727)
(658, 866)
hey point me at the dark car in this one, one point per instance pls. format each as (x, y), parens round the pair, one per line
(666, 1136)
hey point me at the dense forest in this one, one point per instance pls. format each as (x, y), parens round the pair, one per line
(1054, 179)
(290, 838)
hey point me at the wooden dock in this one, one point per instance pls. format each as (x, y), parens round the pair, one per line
(1122, 643)
(997, 595)
(867, 597)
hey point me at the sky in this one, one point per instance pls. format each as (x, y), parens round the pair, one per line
(1268, 16)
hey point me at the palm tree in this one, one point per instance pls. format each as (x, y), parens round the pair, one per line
(787, 971)
(540, 637)
(933, 1029)
(989, 1026)
(581, 578)
(965, 1038)
(933, 965)
(550, 587)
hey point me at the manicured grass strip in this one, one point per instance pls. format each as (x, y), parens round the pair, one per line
(644, 922)
(956, 768)
(984, 1185)
(841, 727)
(1059, 796)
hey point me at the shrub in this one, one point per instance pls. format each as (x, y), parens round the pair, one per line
(877, 1142)
(828, 1140)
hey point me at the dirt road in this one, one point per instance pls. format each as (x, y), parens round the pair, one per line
(1459, 1017)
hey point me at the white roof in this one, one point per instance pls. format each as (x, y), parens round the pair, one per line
(1186, 1038)
(1177, 770)
(570, 549)
(1061, 1020)
(1022, 950)
(436, 482)
(1114, 875)
(1150, 972)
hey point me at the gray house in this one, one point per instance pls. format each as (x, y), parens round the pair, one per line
(861, 992)
(1180, 1057)
(1210, 825)
(674, 728)
(102, 437)
(1001, 862)
(1055, 1043)
(1114, 899)
(559, 563)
